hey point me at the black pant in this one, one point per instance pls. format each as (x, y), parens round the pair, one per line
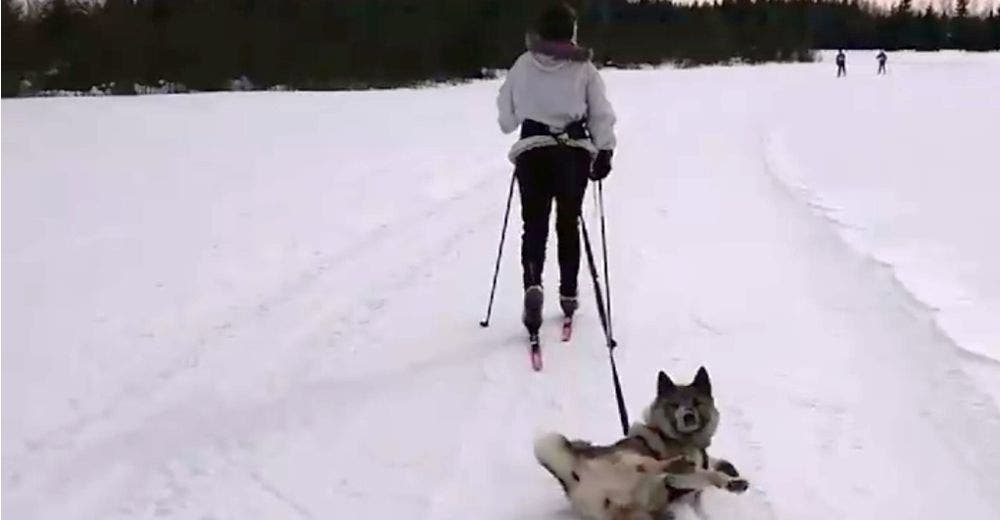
(841, 70)
(881, 68)
(544, 174)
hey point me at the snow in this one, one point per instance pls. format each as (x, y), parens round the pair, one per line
(917, 200)
(265, 305)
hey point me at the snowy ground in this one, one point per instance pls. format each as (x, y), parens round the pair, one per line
(264, 305)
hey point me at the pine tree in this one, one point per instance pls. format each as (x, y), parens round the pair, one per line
(995, 30)
(931, 31)
(962, 8)
(960, 27)
(16, 48)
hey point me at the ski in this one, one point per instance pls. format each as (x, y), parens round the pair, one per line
(535, 346)
(567, 328)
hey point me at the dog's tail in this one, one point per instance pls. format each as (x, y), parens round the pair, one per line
(556, 455)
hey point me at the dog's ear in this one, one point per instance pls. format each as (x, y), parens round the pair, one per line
(701, 381)
(663, 384)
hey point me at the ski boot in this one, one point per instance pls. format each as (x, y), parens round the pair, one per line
(532, 316)
(569, 305)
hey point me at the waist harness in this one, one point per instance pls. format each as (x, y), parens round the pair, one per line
(577, 130)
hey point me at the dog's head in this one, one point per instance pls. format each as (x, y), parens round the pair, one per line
(685, 413)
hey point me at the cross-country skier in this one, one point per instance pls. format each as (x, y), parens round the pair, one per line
(881, 57)
(841, 63)
(557, 97)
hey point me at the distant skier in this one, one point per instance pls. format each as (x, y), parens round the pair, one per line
(557, 97)
(841, 63)
(881, 57)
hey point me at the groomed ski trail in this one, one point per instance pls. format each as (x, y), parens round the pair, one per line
(359, 384)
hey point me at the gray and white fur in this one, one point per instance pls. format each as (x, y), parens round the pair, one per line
(662, 461)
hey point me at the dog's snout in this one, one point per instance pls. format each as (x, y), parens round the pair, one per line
(687, 420)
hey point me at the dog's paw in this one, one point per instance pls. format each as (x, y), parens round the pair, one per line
(737, 485)
(727, 468)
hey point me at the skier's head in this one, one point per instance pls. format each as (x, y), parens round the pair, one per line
(557, 23)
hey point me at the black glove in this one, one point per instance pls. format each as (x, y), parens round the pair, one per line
(602, 165)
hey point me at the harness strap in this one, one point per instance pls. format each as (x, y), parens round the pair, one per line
(576, 130)
(657, 441)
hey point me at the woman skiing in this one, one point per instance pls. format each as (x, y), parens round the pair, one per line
(556, 96)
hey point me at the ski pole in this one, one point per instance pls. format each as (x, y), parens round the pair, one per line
(605, 324)
(598, 294)
(496, 269)
(604, 246)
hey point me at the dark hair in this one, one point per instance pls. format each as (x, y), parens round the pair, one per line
(557, 22)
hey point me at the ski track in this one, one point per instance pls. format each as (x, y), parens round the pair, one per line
(284, 307)
(248, 316)
(361, 385)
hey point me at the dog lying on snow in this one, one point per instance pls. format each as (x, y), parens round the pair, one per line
(661, 461)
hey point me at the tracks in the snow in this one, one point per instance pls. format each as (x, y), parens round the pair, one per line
(330, 303)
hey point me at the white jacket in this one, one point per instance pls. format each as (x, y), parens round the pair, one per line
(557, 93)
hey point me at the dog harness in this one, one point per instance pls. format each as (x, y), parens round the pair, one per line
(657, 442)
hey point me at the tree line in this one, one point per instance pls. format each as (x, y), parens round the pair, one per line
(337, 44)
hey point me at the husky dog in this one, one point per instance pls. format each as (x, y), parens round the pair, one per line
(662, 460)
